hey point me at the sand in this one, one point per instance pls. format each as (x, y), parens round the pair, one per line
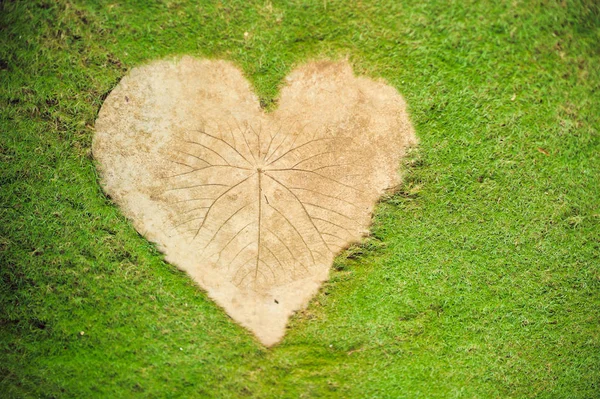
(253, 206)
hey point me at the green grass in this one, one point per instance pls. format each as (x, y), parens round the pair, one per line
(481, 279)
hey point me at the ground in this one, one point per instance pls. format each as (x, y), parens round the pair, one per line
(482, 274)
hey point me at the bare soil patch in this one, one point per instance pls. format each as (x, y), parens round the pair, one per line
(253, 206)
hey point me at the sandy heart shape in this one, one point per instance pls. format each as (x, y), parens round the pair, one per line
(253, 205)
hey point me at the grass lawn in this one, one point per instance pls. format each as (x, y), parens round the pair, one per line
(482, 275)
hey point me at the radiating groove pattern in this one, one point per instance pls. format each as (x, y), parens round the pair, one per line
(263, 214)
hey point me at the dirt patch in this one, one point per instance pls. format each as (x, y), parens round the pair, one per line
(253, 206)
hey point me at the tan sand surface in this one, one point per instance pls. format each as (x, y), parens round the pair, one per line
(253, 206)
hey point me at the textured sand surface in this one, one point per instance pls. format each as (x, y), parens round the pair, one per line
(253, 206)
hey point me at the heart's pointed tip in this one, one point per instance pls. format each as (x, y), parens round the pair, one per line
(265, 314)
(270, 343)
(269, 335)
(267, 321)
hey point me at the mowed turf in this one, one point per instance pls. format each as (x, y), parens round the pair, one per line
(482, 275)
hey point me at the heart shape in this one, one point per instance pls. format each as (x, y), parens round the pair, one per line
(253, 206)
